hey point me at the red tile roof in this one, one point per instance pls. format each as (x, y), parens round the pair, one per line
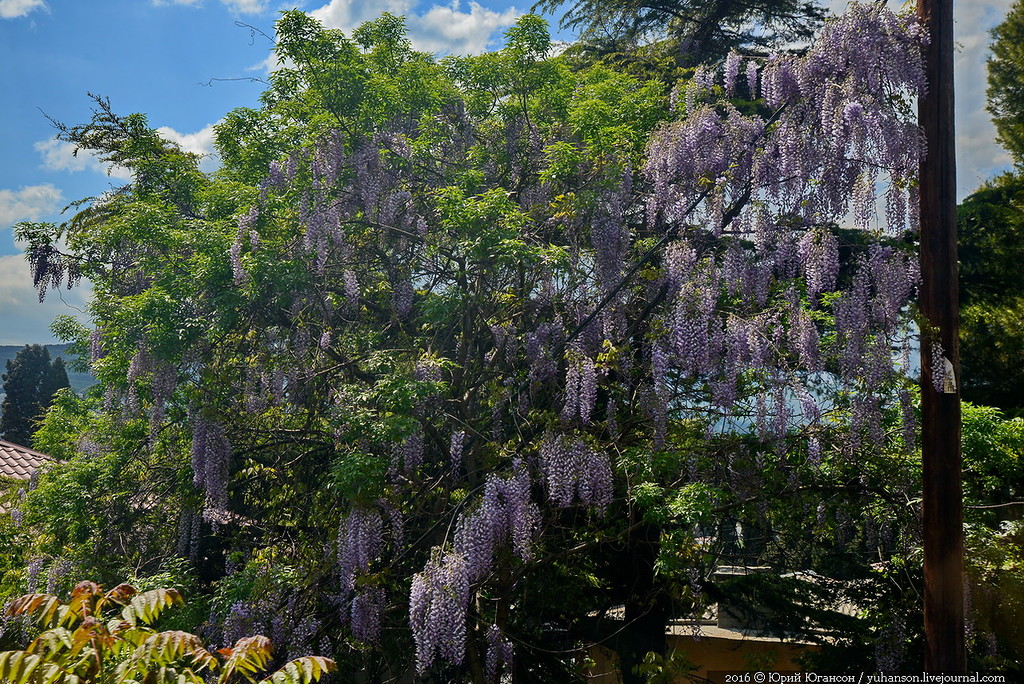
(19, 462)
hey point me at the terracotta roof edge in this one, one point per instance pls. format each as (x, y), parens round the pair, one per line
(20, 447)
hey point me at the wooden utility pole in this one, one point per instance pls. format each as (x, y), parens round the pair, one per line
(940, 408)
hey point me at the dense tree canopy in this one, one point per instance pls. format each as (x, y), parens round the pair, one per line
(700, 31)
(452, 357)
(1006, 82)
(29, 385)
(991, 241)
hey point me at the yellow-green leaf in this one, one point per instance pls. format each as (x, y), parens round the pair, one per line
(17, 667)
(147, 606)
(302, 671)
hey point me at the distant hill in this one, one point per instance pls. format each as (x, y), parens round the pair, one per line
(79, 381)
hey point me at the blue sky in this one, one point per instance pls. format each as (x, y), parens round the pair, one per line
(185, 63)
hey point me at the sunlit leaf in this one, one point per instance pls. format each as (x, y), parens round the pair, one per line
(302, 671)
(147, 606)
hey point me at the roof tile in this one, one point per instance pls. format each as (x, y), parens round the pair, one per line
(19, 462)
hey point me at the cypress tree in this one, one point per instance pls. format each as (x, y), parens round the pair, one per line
(700, 31)
(1006, 83)
(29, 383)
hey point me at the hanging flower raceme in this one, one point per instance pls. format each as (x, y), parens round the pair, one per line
(506, 514)
(573, 471)
(361, 545)
(499, 654)
(438, 601)
(211, 460)
(580, 388)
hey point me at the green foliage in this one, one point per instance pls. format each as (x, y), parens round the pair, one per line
(354, 315)
(993, 476)
(13, 539)
(100, 637)
(993, 450)
(991, 233)
(69, 416)
(700, 32)
(994, 568)
(359, 476)
(30, 383)
(103, 481)
(1005, 76)
(665, 669)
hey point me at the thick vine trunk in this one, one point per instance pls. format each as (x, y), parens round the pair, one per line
(647, 605)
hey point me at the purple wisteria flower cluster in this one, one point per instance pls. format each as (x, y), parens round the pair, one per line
(211, 461)
(499, 657)
(580, 389)
(374, 297)
(438, 601)
(575, 471)
(505, 514)
(833, 127)
(772, 188)
(361, 544)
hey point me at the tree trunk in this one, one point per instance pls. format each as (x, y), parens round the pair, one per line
(647, 605)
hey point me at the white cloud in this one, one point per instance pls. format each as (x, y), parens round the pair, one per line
(26, 320)
(200, 142)
(246, 6)
(240, 6)
(446, 29)
(978, 155)
(30, 203)
(10, 9)
(348, 14)
(271, 63)
(443, 28)
(59, 155)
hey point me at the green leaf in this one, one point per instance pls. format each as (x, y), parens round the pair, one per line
(249, 655)
(146, 607)
(17, 667)
(302, 671)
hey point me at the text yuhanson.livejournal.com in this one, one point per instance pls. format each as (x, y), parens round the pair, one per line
(734, 677)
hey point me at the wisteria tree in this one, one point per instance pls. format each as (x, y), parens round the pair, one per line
(450, 358)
